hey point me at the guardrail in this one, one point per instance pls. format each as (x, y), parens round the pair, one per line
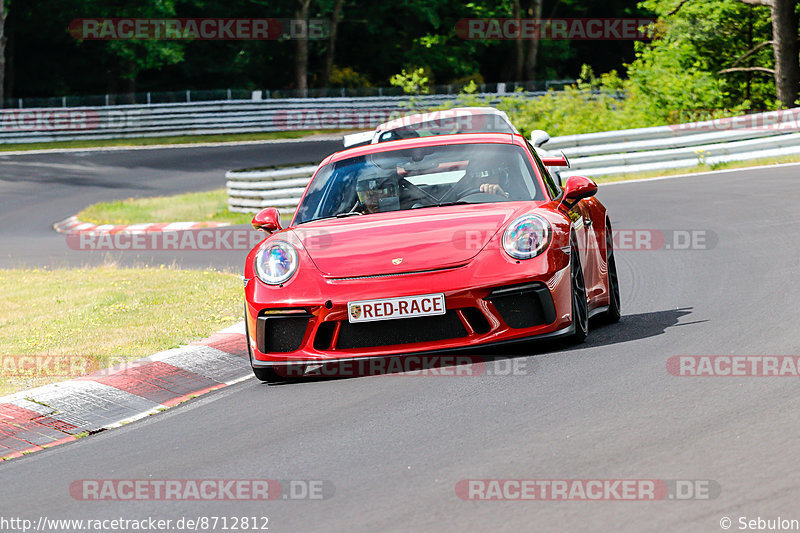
(762, 135)
(206, 118)
(251, 191)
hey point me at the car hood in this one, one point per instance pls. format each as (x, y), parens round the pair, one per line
(403, 241)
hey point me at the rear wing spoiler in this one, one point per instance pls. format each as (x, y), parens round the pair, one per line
(357, 139)
(556, 161)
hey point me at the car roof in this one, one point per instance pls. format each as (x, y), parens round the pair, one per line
(417, 142)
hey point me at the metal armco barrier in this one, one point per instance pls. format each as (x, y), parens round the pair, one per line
(771, 134)
(251, 191)
(761, 135)
(206, 118)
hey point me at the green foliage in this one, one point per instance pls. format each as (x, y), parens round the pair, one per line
(591, 105)
(679, 70)
(594, 104)
(474, 78)
(673, 78)
(135, 56)
(412, 82)
(347, 77)
(470, 88)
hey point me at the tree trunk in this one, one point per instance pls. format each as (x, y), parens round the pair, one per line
(2, 49)
(301, 50)
(326, 74)
(519, 55)
(787, 64)
(533, 44)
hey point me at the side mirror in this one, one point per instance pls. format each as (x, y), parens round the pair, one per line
(267, 219)
(578, 188)
(539, 137)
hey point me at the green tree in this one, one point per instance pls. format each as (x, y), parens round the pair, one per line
(714, 54)
(3, 14)
(127, 59)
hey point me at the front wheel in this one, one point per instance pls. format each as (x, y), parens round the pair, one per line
(580, 306)
(613, 314)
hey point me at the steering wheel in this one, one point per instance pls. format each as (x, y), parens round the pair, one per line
(472, 191)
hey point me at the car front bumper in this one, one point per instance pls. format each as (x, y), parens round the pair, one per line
(490, 301)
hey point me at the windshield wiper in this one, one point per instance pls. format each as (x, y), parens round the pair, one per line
(338, 215)
(458, 202)
(443, 204)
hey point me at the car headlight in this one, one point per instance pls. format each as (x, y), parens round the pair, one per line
(527, 237)
(276, 263)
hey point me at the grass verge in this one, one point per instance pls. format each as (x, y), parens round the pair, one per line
(89, 318)
(177, 139)
(209, 206)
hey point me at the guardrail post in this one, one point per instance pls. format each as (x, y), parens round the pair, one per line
(20, 102)
(188, 96)
(148, 97)
(229, 94)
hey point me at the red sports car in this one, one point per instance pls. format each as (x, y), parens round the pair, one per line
(424, 245)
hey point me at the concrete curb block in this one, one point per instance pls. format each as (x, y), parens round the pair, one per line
(72, 225)
(46, 416)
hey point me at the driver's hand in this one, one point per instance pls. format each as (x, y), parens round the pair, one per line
(492, 188)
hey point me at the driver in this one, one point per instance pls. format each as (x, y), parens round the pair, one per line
(490, 179)
(377, 194)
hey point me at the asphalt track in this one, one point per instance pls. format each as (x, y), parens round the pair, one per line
(395, 446)
(37, 190)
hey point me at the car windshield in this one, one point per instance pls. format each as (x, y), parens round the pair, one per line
(416, 178)
(447, 125)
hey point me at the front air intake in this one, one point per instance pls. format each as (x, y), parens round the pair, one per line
(400, 331)
(524, 306)
(281, 331)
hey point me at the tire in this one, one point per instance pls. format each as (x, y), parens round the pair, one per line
(614, 309)
(580, 305)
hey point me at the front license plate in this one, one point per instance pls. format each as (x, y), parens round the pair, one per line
(392, 308)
